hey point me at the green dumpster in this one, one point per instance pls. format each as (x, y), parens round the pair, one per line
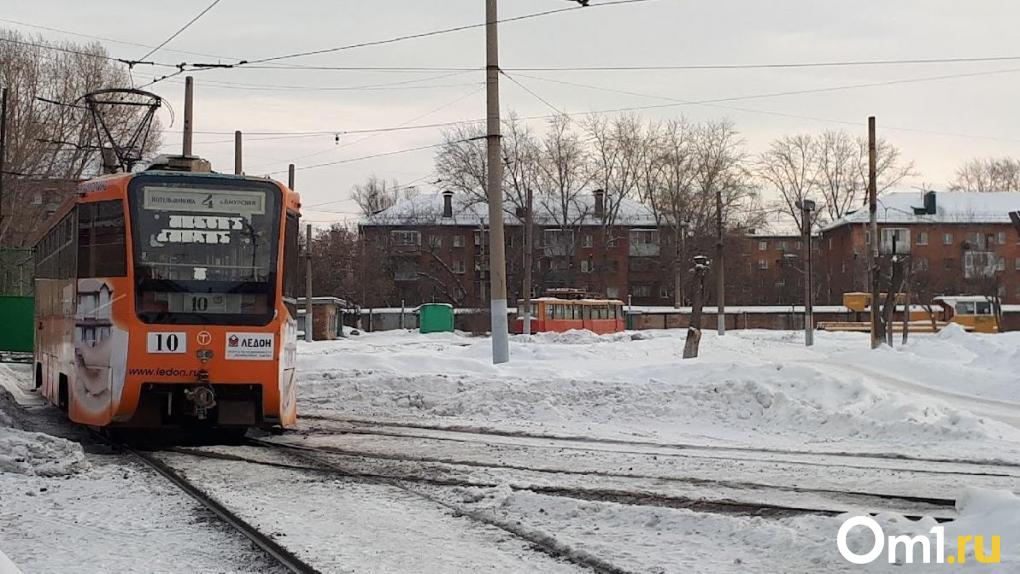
(17, 334)
(435, 318)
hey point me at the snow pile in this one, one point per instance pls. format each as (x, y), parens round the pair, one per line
(744, 388)
(658, 539)
(31, 453)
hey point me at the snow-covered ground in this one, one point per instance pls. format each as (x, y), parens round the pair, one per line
(749, 388)
(610, 449)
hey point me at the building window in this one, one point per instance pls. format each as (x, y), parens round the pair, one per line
(642, 290)
(921, 263)
(478, 238)
(975, 240)
(586, 266)
(458, 241)
(763, 246)
(867, 237)
(459, 267)
(800, 245)
(763, 264)
(922, 238)
(613, 292)
(663, 292)
(1000, 263)
(781, 246)
(1000, 238)
(435, 241)
(588, 241)
(1017, 263)
(895, 240)
(947, 239)
(830, 244)
(406, 237)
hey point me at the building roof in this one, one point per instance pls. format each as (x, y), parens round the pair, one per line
(427, 209)
(950, 207)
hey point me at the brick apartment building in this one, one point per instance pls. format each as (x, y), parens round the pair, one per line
(434, 248)
(958, 242)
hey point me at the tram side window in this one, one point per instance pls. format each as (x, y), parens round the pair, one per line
(54, 254)
(548, 311)
(291, 263)
(560, 311)
(102, 237)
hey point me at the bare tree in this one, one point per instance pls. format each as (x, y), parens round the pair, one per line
(50, 135)
(985, 175)
(791, 166)
(376, 195)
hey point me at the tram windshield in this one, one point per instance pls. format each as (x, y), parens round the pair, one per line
(205, 250)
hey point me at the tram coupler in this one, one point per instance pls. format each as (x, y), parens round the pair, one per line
(202, 396)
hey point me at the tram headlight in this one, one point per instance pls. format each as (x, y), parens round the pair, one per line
(204, 355)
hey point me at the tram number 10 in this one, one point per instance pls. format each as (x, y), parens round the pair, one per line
(167, 343)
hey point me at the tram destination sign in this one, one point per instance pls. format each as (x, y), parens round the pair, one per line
(204, 201)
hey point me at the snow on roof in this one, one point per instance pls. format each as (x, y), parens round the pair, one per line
(950, 207)
(427, 209)
(776, 224)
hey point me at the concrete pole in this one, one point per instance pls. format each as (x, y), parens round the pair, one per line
(309, 322)
(529, 222)
(809, 319)
(290, 177)
(873, 254)
(189, 126)
(497, 249)
(238, 168)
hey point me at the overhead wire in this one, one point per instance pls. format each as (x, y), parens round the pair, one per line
(436, 32)
(181, 30)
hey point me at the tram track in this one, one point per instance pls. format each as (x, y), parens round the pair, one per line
(456, 433)
(279, 554)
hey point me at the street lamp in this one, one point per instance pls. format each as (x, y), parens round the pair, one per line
(806, 207)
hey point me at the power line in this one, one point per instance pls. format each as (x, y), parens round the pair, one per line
(538, 97)
(436, 32)
(771, 65)
(402, 84)
(673, 103)
(183, 28)
(375, 135)
(377, 155)
(107, 39)
(81, 53)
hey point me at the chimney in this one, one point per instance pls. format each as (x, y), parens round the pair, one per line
(930, 205)
(447, 204)
(600, 203)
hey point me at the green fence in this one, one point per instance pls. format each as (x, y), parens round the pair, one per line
(17, 322)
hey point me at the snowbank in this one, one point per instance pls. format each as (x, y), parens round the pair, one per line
(656, 539)
(31, 453)
(747, 387)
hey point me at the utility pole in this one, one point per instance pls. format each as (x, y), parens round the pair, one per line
(806, 207)
(290, 177)
(529, 222)
(309, 336)
(720, 265)
(497, 249)
(189, 101)
(237, 153)
(3, 151)
(873, 229)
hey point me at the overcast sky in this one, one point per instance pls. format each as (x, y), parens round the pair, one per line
(942, 122)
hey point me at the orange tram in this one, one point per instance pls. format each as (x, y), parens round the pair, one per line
(570, 310)
(165, 299)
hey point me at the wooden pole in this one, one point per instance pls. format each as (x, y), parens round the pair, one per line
(3, 152)
(529, 222)
(873, 253)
